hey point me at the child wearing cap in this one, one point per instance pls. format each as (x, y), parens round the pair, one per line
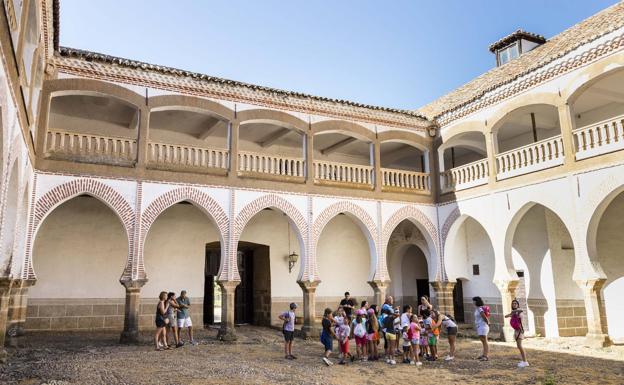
(359, 331)
(288, 329)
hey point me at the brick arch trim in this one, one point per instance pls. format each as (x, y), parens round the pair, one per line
(66, 191)
(410, 212)
(329, 213)
(254, 207)
(189, 194)
(450, 220)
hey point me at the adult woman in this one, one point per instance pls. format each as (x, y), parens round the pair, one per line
(161, 322)
(424, 305)
(171, 317)
(482, 324)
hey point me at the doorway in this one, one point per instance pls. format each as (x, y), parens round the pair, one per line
(458, 301)
(422, 288)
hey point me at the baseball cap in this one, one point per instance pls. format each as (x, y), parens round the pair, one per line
(293, 305)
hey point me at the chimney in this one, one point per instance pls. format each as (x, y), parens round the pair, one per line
(513, 45)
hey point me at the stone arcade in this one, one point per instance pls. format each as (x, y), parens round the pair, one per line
(121, 179)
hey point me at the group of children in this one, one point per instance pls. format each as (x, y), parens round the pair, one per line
(407, 336)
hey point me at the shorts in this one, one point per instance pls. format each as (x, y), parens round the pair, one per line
(406, 349)
(289, 335)
(415, 341)
(185, 322)
(423, 341)
(518, 334)
(160, 322)
(370, 336)
(327, 341)
(433, 340)
(391, 336)
(360, 341)
(344, 346)
(483, 330)
(451, 331)
(172, 321)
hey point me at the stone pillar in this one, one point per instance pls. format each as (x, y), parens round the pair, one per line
(491, 147)
(507, 289)
(594, 308)
(130, 333)
(380, 288)
(18, 303)
(566, 123)
(309, 157)
(228, 289)
(5, 290)
(444, 296)
(234, 130)
(377, 165)
(309, 328)
(143, 136)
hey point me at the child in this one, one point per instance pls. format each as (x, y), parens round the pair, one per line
(415, 330)
(289, 330)
(327, 335)
(432, 334)
(372, 328)
(451, 332)
(342, 332)
(359, 331)
(424, 342)
(516, 324)
(407, 346)
(388, 324)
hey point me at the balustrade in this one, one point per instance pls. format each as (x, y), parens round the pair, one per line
(167, 154)
(466, 176)
(90, 147)
(408, 180)
(599, 138)
(343, 173)
(530, 158)
(271, 164)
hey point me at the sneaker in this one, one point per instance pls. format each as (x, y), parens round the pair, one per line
(448, 358)
(352, 358)
(484, 358)
(292, 357)
(387, 360)
(341, 363)
(180, 344)
(523, 364)
(327, 361)
(288, 357)
(392, 362)
(365, 359)
(194, 343)
(411, 362)
(419, 363)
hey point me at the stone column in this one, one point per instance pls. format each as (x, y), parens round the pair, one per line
(492, 148)
(594, 308)
(5, 290)
(379, 287)
(234, 134)
(444, 296)
(309, 329)
(228, 289)
(130, 333)
(507, 289)
(377, 165)
(566, 123)
(143, 136)
(18, 303)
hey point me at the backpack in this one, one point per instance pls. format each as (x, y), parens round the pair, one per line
(388, 323)
(486, 311)
(359, 330)
(516, 323)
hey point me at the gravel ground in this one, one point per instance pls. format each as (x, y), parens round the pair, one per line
(257, 358)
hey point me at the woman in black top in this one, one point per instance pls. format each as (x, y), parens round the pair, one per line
(161, 322)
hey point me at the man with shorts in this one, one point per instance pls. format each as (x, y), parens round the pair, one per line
(184, 317)
(289, 330)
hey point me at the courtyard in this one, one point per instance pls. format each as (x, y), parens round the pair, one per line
(257, 358)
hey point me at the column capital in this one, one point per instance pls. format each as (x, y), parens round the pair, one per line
(308, 286)
(6, 283)
(442, 285)
(379, 284)
(228, 285)
(133, 284)
(506, 286)
(591, 284)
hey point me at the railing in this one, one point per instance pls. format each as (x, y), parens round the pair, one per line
(408, 180)
(530, 158)
(166, 154)
(342, 172)
(89, 147)
(599, 138)
(466, 176)
(271, 164)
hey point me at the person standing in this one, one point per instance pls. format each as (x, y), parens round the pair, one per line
(171, 317)
(482, 324)
(516, 324)
(424, 305)
(451, 333)
(347, 304)
(289, 330)
(327, 336)
(184, 317)
(160, 338)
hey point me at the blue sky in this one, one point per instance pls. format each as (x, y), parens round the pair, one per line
(400, 54)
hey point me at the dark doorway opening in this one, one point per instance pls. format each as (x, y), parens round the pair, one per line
(252, 298)
(422, 288)
(458, 301)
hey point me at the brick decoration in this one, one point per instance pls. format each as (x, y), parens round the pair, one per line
(414, 214)
(329, 213)
(254, 207)
(200, 199)
(60, 194)
(446, 227)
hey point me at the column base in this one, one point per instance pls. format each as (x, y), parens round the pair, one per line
(226, 335)
(310, 332)
(598, 340)
(129, 337)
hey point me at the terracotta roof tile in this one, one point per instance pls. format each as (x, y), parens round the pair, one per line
(582, 33)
